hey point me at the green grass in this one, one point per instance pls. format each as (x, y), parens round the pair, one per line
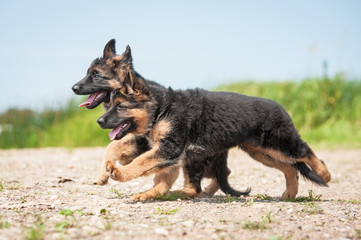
(259, 225)
(4, 224)
(66, 212)
(311, 208)
(37, 231)
(310, 198)
(325, 111)
(169, 196)
(162, 211)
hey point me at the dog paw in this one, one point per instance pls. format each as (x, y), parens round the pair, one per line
(111, 170)
(288, 195)
(186, 193)
(102, 180)
(142, 197)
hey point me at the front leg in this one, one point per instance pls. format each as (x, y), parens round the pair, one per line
(163, 182)
(122, 151)
(143, 165)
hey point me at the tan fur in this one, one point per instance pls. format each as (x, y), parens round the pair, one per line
(211, 189)
(163, 181)
(114, 84)
(140, 117)
(269, 158)
(122, 151)
(143, 165)
(189, 190)
(213, 186)
(160, 130)
(317, 166)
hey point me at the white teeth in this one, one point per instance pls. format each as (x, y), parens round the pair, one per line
(100, 95)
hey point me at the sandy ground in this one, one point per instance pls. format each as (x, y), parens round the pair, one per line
(37, 185)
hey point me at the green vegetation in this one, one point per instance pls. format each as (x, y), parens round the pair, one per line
(37, 231)
(69, 126)
(352, 201)
(311, 208)
(259, 225)
(116, 191)
(310, 198)
(259, 196)
(162, 211)
(4, 224)
(170, 196)
(325, 111)
(66, 212)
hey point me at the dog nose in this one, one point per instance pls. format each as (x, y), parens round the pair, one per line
(100, 121)
(75, 88)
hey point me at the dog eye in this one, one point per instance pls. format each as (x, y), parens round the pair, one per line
(119, 107)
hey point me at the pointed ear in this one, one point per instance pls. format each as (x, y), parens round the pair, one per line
(127, 56)
(127, 86)
(109, 49)
(133, 85)
(124, 60)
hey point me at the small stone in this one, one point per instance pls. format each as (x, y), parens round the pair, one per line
(214, 236)
(56, 235)
(53, 198)
(57, 202)
(189, 224)
(161, 231)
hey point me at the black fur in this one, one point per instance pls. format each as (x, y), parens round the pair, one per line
(308, 174)
(206, 124)
(98, 78)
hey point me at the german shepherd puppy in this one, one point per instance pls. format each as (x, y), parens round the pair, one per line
(104, 76)
(196, 128)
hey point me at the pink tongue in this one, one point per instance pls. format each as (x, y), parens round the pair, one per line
(89, 100)
(115, 131)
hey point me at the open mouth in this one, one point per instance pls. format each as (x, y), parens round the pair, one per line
(120, 131)
(94, 99)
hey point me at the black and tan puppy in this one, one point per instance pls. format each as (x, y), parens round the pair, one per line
(196, 128)
(105, 75)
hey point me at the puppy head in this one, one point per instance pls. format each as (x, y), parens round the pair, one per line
(104, 75)
(131, 108)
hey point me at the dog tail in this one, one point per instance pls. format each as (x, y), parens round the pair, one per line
(308, 174)
(222, 179)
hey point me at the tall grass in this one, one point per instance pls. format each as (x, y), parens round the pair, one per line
(69, 126)
(327, 113)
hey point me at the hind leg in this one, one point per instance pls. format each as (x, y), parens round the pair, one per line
(213, 186)
(270, 159)
(193, 171)
(291, 181)
(191, 188)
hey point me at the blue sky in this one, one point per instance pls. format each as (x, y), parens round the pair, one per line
(47, 46)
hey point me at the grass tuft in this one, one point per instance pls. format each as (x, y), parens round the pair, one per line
(162, 211)
(310, 198)
(169, 196)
